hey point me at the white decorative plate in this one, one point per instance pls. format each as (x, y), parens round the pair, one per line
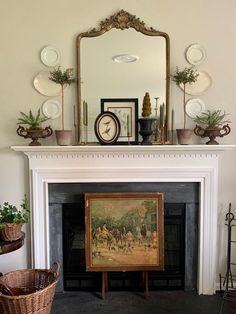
(50, 56)
(195, 54)
(194, 107)
(203, 82)
(45, 86)
(51, 108)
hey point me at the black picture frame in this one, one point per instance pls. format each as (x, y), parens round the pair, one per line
(126, 109)
(107, 128)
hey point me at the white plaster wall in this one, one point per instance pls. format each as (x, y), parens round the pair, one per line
(27, 26)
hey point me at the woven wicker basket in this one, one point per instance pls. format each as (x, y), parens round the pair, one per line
(32, 290)
(11, 231)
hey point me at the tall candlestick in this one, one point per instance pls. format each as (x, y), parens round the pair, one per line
(85, 113)
(172, 120)
(164, 115)
(161, 115)
(128, 125)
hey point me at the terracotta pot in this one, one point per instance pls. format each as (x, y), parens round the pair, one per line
(11, 231)
(184, 136)
(64, 137)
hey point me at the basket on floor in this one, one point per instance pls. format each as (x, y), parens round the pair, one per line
(28, 291)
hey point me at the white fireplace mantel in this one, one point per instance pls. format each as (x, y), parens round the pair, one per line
(128, 163)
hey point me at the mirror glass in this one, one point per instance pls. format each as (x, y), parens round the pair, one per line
(120, 63)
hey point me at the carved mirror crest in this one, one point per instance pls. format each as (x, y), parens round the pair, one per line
(122, 58)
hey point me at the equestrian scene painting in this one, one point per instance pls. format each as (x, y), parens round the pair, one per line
(124, 231)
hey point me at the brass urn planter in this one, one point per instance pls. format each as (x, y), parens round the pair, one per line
(212, 133)
(34, 134)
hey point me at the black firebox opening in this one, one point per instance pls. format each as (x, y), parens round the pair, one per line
(67, 231)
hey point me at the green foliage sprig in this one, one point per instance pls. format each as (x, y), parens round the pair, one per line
(61, 77)
(34, 122)
(186, 76)
(10, 214)
(212, 119)
(64, 78)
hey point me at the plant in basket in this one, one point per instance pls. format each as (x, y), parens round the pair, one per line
(12, 220)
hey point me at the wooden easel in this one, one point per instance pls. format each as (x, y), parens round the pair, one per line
(105, 283)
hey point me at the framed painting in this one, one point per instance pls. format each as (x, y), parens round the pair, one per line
(127, 112)
(124, 231)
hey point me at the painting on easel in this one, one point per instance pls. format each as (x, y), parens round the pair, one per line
(124, 231)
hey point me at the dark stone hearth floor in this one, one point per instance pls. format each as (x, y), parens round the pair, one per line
(159, 302)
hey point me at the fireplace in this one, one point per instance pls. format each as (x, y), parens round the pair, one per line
(128, 163)
(66, 221)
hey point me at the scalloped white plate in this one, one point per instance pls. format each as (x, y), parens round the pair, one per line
(51, 108)
(195, 54)
(203, 82)
(194, 107)
(50, 56)
(45, 86)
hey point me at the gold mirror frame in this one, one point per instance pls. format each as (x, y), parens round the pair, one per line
(121, 20)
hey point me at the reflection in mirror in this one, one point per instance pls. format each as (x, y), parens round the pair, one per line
(123, 59)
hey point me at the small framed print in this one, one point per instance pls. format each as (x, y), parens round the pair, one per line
(107, 128)
(126, 110)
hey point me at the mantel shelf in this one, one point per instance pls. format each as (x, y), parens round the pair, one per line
(181, 149)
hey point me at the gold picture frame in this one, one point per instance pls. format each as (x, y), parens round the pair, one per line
(124, 231)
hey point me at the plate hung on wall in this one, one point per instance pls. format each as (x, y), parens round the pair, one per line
(51, 108)
(50, 56)
(194, 107)
(45, 86)
(203, 82)
(195, 54)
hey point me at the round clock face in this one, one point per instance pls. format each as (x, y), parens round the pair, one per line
(107, 128)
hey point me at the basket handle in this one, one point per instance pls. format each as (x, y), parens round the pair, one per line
(55, 268)
(4, 289)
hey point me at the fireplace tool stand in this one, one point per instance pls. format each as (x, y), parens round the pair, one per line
(227, 282)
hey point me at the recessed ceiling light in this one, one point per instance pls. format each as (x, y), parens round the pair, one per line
(125, 58)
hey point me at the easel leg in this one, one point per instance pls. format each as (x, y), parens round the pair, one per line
(104, 284)
(145, 281)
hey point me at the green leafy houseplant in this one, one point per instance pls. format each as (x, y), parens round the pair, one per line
(212, 119)
(33, 121)
(34, 128)
(12, 219)
(186, 76)
(64, 78)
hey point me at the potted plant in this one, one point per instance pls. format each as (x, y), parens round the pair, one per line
(181, 78)
(34, 128)
(212, 124)
(64, 78)
(146, 123)
(12, 220)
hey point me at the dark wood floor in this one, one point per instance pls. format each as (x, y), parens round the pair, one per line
(159, 302)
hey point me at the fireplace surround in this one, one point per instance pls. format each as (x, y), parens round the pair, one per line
(173, 163)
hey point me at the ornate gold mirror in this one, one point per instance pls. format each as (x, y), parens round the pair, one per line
(121, 59)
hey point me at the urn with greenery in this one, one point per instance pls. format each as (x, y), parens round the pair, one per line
(212, 124)
(33, 129)
(12, 220)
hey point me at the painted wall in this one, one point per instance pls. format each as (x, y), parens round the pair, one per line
(27, 26)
